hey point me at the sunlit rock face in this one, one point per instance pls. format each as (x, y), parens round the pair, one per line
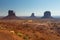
(47, 14)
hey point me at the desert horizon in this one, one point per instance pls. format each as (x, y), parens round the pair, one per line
(29, 19)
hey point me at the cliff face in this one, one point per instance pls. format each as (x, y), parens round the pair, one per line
(47, 14)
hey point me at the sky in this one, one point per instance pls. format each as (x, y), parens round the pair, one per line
(27, 7)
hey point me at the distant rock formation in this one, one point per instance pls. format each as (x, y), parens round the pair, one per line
(32, 15)
(47, 14)
(11, 15)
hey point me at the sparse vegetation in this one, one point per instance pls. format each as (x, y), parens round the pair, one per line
(32, 29)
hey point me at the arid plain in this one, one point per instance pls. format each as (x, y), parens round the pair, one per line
(43, 29)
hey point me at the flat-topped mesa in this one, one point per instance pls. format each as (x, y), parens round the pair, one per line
(47, 14)
(32, 15)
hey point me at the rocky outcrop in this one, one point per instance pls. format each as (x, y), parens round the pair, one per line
(32, 15)
(47, 14)
(11, 15)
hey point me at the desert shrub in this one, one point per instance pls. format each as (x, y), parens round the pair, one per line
(25, 25)
(58, 35)
(26, 37)
(41, 38)
(19, 34)
(51, 28)
(56, 28)
(41, 28)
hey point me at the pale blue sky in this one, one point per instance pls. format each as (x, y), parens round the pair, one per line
(26, 7)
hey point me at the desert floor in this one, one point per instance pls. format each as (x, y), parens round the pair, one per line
(29, 30)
